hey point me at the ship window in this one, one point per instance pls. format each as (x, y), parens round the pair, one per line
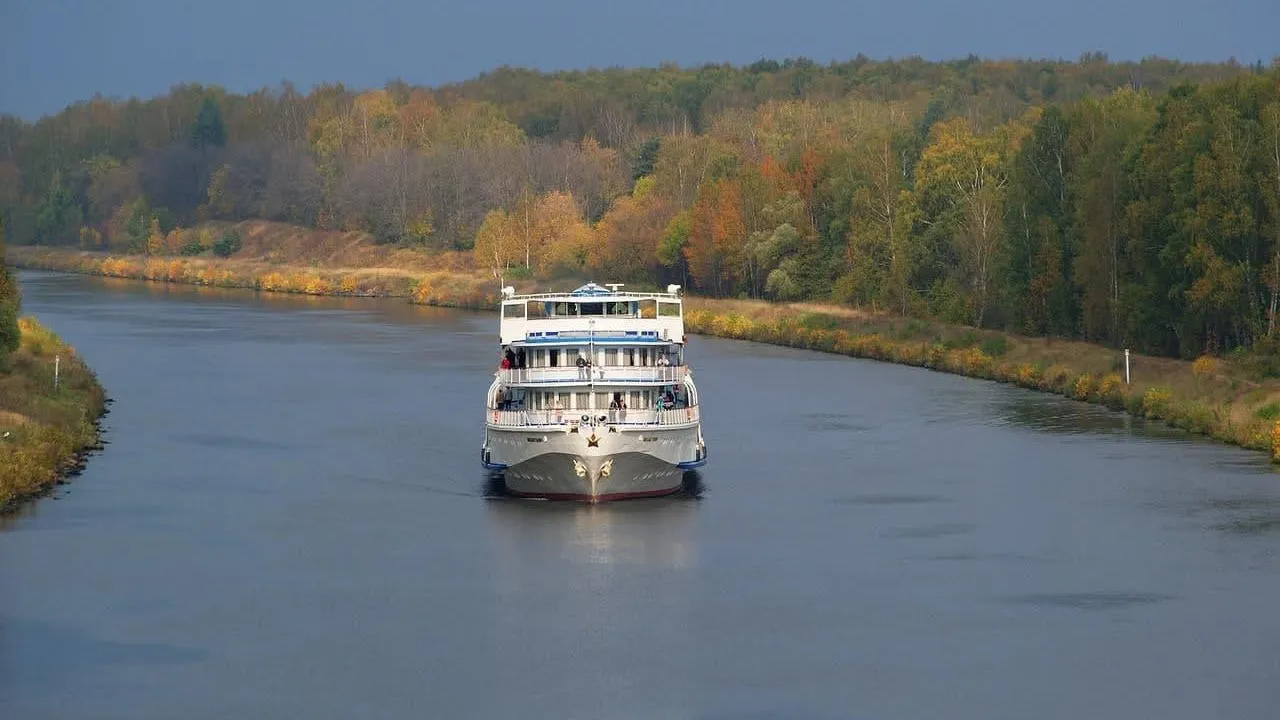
(513, 310)
(669, 309)
(611, 356)
(591, 308)
(648, 308)
(634, 402)
(554, 355)
(630, 355)
(581, 401)
(537, 309)
(602, 401)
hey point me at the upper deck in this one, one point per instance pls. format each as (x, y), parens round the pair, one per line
(592, 313)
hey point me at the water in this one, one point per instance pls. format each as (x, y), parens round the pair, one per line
(289, 520)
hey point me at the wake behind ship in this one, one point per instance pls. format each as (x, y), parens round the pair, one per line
(593, 399)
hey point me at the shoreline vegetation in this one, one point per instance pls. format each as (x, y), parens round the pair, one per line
(1221, 398)
(47, 432)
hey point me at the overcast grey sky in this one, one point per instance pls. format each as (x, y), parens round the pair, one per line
(54, 52)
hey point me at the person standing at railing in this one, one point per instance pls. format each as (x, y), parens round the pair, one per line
(663, 360)
(559, 410)
(584, 368)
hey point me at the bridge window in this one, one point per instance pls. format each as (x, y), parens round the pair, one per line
(513, 310)
(648, 308)
(538, 309)
(669, 309)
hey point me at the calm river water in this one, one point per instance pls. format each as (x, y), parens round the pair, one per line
(290, 521)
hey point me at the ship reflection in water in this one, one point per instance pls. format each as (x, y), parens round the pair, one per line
(655, 533)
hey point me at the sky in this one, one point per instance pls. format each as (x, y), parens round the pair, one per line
(57, 52)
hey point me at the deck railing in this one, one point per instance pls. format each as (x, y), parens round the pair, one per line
(668, 374)
(564, 418)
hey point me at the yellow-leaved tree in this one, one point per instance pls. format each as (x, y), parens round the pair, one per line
(497, 246)
(565, 242)
(970, 172)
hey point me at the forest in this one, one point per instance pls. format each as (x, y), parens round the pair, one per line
(1132, 204)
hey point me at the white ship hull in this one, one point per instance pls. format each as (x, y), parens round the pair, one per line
(593, 463)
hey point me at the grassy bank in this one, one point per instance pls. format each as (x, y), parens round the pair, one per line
(443, 287)
(1223, 399)
(45, 431)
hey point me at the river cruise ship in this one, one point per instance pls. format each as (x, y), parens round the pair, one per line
(593, 399)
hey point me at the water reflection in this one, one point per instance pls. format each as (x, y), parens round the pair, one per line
(652, 533)
(1053, 414)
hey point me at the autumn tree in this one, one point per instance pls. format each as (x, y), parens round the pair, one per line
(717, 238)
(882, 253)
(565, 242)
(969, 173)
(497, 246)
(629, 233)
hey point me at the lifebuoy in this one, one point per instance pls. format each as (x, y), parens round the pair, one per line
(495, 417)
(688, 414)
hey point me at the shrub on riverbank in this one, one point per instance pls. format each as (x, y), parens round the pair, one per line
(44, 429)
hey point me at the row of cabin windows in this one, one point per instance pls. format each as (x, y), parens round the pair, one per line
(568, 357)
(535, 309)
(635, 399)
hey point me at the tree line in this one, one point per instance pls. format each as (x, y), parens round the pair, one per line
(1123, 203)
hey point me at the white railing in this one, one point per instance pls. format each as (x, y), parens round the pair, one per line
(603, 297)
(565, 418)
(670, 374)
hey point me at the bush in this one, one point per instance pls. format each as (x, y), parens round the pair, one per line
(1270, 411)
(995, 346)
(227, 245)
(192, 245)
(9, 333)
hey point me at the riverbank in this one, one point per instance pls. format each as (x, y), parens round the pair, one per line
(47, 430)
(1218, 398)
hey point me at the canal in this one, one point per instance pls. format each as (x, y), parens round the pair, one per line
(289, 520)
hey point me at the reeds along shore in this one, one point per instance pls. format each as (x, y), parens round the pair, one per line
(48, 425)
(1210, 396)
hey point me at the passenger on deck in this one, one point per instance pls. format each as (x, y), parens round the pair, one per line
(520, 358)
(584, 368)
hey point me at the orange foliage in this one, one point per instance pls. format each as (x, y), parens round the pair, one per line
(565, 240)
(628, 234)
(717, 237)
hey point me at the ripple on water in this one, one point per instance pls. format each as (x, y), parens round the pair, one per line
(930, 531)
(229, 442)
(1100, 600)
(1255, 525)
(889, 499)
(832, 422)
